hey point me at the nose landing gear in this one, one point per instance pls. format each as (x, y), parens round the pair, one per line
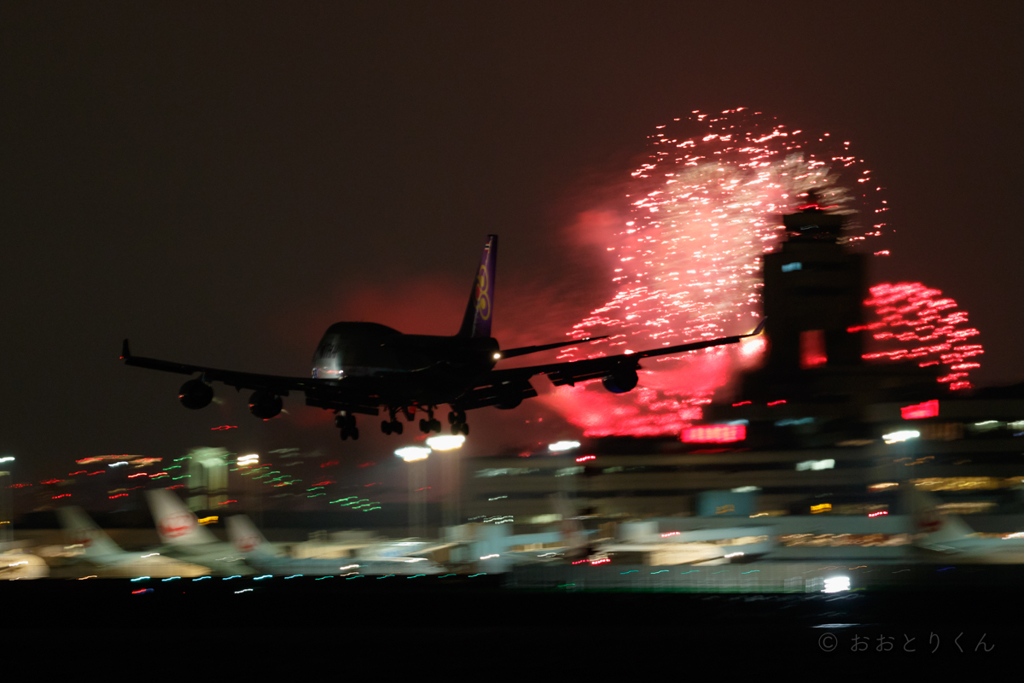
(346, 422)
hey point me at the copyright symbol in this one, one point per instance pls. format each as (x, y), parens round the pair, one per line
(828, 642)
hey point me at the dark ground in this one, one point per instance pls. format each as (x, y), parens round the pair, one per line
(456, 616)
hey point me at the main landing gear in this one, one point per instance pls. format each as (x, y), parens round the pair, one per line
(430, 424)
(393, 426)
(346, 422)
(457, 419)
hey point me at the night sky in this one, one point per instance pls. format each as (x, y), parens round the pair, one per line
(220, 182)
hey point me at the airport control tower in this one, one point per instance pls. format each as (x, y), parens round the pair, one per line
(814, 292)
(814, 375)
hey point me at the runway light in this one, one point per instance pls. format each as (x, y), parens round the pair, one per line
(412, 453)
(561, 446)
(446, 443)
(836, 584)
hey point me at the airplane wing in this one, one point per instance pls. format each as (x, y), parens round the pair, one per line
(365, 395)
(355, 394)
(509, 387)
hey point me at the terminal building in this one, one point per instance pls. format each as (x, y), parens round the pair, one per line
(808, 462)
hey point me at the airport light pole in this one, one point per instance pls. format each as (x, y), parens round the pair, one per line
(414, 456)
(451, 494)
(6, 503)
(244, 462)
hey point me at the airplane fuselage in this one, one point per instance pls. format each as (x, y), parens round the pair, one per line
(445, 366)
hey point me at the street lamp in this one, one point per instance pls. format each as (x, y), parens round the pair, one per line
(417, 482)
(450, 471)
(246, 461)
(6, 504)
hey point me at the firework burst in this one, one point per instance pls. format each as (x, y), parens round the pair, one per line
(916, 323)
(704, 206)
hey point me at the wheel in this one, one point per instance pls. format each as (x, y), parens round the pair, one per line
(456, 428)
(355, 433)
(397, 427)
(424, 426)
(385, 427)
(452, 418)
(465, 429)
(344, 433)
(435, 425)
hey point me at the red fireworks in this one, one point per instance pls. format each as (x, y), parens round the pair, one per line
(917, 323)
(705, 205)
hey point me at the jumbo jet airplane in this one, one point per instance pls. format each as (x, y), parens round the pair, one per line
(360, 367)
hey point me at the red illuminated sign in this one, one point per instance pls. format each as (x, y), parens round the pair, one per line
(921, 410)
(715, 434)
(812, 349)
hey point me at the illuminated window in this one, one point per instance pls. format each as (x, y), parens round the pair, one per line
(812, 348)
(921, 410)
(715, 434)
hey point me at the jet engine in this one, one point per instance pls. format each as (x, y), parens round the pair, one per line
(195, 394)
(621, 380)
(511, 395)
(265, 404)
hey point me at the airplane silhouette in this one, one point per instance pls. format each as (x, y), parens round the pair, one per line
(359, 367)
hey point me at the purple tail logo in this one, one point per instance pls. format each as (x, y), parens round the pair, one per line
(477, 321)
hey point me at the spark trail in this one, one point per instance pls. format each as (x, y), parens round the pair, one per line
(704, 206)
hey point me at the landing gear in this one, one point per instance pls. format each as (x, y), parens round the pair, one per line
(457, 419)
(430, 424)
(392, 426)
(346, 422)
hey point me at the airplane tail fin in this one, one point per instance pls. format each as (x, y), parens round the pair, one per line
(244, 536)
(477, 320)
(175, 523)
(81, 530)
(938, 529)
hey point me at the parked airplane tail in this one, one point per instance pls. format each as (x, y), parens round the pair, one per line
(938, 529)
(244, 535)
(477, 321)
(81, 530)
(175, 523)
